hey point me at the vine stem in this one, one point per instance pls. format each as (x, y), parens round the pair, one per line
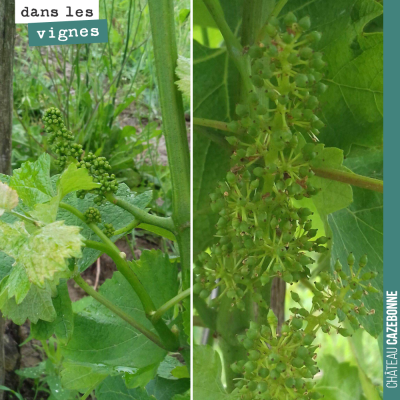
(348, 177)
(327, 173)
(278, 7)
(235, 49)
(116, 310)
(208, 123)
(25, 218)
(167, 336)
(165, 307)
(162, 20)
(141, 214)
(128, 228)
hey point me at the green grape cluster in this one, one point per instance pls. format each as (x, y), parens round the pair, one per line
(63, 145)
(261, 231)
(281, 366)
(99, 168)
(92, 215)
(61, 140)
(109, 230)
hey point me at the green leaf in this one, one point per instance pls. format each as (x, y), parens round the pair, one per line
(141, 377)
(180, 372)
(165, 389)
(207, 370)
(63, 324)
(158, 276)
(339, 381)
(167, 365)
(116, 216)
(352, 107)
(32, 181)
(6, 389)
(158, 231)
(74, 179)
(57, 391)
(359, 229)
(33, 372)
(214, 95)
(36, 305)
(185, 396)
(71, 180)
(333, 196)
(102, 337)
(18, 283)
(232, 11)
(81, 376)
(113, 388)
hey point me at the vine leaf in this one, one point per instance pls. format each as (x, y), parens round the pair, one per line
(110, 214)
(166, 389)
(141, 377)
(340, 381)
(32, 181)
(71, 180)
(207, 370)
(100, 337)
(352, 107)
(74, 179)
(18, 283)
(44, 253)
(359, 229)
(36, 305)
(63, 325)
(333, 196)
(214, 96)
(113, 388)
(8, 198)
(158, 276)
(83, 376)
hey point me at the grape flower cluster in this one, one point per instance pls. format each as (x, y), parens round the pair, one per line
(61, 139)
(261, 231)
(109, 230)
(62, 142)
(92, 215)
(282, 365)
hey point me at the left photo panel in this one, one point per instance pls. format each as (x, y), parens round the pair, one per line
(95, 197)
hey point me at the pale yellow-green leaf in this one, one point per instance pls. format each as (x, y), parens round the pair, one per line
(46, 251)
(8, 198)
(71, 180)
(18, 283)
(46, 212)
(74, 179)
(12, 238)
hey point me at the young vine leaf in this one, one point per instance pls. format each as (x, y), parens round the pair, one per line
(8, 198)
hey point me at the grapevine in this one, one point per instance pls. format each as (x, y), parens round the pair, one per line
(262, 230)
(62, 142)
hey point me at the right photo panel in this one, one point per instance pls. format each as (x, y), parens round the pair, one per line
(288, 200)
